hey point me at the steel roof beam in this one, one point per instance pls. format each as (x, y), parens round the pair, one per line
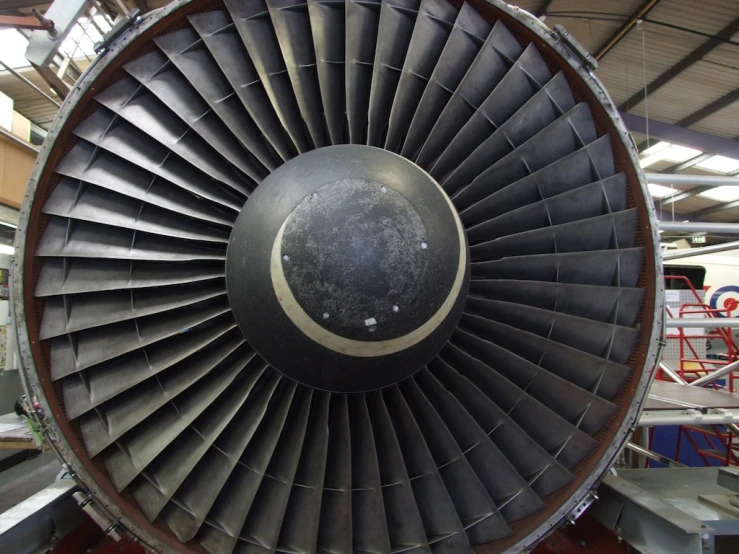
(725, 34)
(545, 5)
(710, 109)
(666, 214)
(622, 31)
(716, 208)
(682, 136)
(677, 168)
(692, 119)
(684, 195)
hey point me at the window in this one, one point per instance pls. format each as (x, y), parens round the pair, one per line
(695, 274)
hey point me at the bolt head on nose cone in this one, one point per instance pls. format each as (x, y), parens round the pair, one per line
(347, 268)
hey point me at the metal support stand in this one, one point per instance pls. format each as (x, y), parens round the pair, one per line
(665, 511)
(653, 455)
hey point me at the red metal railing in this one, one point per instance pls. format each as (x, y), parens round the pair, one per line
(720, 444)
(688, 354)
(710, 442)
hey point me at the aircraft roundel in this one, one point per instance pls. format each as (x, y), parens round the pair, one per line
(724, 298)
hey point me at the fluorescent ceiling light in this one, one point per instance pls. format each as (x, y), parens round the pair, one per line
(13, 52)
(722, 194)
(80, 42)
(722, 164)
(82, 37)
(681, 154)
(655, 148)
(660, 191)
(664, 151)
(6, 224)
(7, 249)
(651, 160)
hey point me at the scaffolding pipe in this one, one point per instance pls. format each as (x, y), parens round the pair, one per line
(672, 374)
(17, 75)
(702, 180)
(712, 323)
(19, 141)
(653, 455)
(699, 227)
(687, 416)
(734, 366)
(734, 428)
(690, 252)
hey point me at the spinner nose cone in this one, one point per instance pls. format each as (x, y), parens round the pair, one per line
(347, 268)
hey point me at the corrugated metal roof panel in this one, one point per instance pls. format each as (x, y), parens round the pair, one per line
(707, 16)
(692, 204)
(724, 123)
(697, 86)
(659, 166)
(666, 38)
(724, 216)
(592, 23)
(677, 188)
(724, 60)
(623, 69)
(29, 102)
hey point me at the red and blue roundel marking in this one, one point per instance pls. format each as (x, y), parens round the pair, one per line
(725, 298)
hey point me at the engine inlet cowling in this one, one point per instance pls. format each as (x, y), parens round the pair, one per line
(323, 276)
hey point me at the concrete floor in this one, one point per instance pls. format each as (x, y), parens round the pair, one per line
(31, 475)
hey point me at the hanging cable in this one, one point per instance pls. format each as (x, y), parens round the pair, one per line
(640, 26)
